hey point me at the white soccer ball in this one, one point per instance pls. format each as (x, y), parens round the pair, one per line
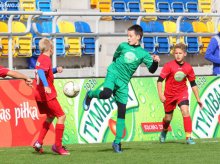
(71, 89)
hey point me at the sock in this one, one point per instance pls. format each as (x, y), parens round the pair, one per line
(43, 132)
(94, 94)
(165, 125)
(187, 126)
(59, 134)
(120, 125)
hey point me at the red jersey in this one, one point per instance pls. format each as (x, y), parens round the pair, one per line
(176, 76)
(44, 63)
(3, 71)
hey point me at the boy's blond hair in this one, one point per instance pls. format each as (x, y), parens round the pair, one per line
(180, 46)
(45, 44)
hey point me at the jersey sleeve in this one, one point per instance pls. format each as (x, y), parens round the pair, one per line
(191, 75)
(3, 71)
(43, 63)
(148, 61)
(165, 71)
(118, 51)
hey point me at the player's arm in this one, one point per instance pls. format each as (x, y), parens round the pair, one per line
(213, 45)
(151, 62)
(58, 69)
(19, 75)
(159, 89)
(43, 78)
(196, 92)
(117, 52)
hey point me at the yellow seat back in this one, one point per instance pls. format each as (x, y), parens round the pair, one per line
(149, 6)
(27, 5)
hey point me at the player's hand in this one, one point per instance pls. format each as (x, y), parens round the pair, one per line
(200, 104)
(162, 98)
(29, 82)
(156, 58)
(47, 89)
(59, 69)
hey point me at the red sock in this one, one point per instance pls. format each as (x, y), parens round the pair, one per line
(59, 134)
(43, 132)
(165, 124)
(187, 126)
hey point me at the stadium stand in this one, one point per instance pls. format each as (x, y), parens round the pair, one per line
(3, 40)
(11, 5)
(163, 6)
(148, 6)
(45, 6)
(27, 5)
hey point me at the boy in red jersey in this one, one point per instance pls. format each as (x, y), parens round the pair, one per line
(6, 72)
(46, 98)
(176, 73)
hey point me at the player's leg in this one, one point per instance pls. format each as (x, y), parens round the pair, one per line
(120, 126)
(187, 122)
(169, 106)
(121, 97)
(57, 111)
(100, 94)
(42, 106)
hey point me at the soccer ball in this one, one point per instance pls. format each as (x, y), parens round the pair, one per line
(71, 89)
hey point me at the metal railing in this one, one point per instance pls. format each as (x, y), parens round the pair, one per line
(95, 34)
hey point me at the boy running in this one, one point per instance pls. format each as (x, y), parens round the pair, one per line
(128, 56)
(176, 74)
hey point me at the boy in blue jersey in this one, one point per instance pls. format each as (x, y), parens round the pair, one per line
(128, 56)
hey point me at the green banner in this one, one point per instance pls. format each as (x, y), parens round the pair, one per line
(144, 112)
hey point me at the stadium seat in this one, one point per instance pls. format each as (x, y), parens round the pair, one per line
(163, 6)
(46, 27)
(149, 6)
(133, 6)
(191, 42)
(105, 6)
(1, 9)
(191, 6)
(119, 6)
(27, 5)
(202, 27)
(11, 5)
(93, 3)
(72, 44)
(88, 43)
(23, 44)
(3, 40)
(205, 6)
(45, 6)
(177, 6)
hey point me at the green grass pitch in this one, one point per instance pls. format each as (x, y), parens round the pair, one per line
(172, 152)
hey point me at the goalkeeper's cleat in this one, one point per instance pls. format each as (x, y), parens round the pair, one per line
(116, 147)
(61, 150)
(86, 101)
(163, 135)
(190, 141)
(38, 147)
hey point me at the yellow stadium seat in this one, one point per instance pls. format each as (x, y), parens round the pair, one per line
(205, 7)
(73, 44)
(3, 40)
(27, 5)
(201, 27)
(23, 44)
(93, 4)
(149, 6)
(105, 6)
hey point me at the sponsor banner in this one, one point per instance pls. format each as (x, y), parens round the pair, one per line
(20, 121)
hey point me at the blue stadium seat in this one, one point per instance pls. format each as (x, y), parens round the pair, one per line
(177, 6)
(119, 6)
(191, 42)
(1, 9)
(133, 6)
(88, 43)
(11, 5)
(191, 6)
(163, 6)
(149, 41)
(46, 27)
(45, 6)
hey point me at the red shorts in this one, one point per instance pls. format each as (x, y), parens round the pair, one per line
(171, 102)
(52, 108)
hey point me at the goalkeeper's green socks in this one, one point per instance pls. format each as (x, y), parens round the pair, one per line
(94, 94)
(120, 125)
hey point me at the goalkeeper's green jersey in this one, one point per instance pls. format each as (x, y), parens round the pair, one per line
(127, 60)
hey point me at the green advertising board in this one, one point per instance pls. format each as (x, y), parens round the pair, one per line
(144, 112)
